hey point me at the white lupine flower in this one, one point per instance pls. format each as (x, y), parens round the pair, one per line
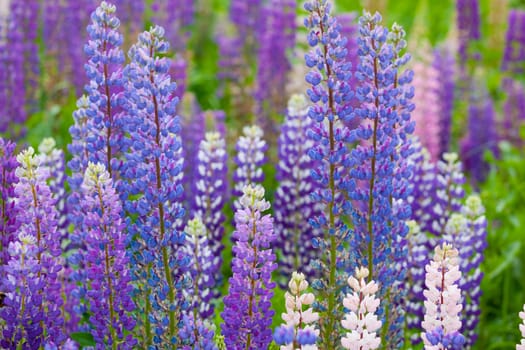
(362, 322)
(443, 297)
(295, 300)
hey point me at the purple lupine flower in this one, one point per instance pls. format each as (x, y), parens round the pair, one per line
(202, 269)
(22, 311)
(8, 224)
(468, 23)
(54, 161)
(211, 183)
(380, 167)
(331, 111)
(481, 136)
(230, 59)
(444, 64)
(513, 116)
(514, 54)
(105, 125)
(467, 232)
(276, 41)
(443, 301)
(293, 206)
(249, 159)
(427, 100)
(153, 170)
(175, 16)
(245, 15)
(36, 215)
(197, 335)
(21, 65)
(247, 315)
(108, 277)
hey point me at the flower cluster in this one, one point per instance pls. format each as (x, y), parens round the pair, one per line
(8, 224)
(443, 301)
(299, 330)
(361, 321)
(293, 206)
(247, 315)
(521, 346)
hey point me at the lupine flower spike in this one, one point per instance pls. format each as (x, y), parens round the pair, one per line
(247, 315)
(361, 321)
(108, 277)
(299, 331)
(443, 301)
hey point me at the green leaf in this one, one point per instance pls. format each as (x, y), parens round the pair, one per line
(83, 338)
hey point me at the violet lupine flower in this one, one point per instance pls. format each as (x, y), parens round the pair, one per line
(481, 136)
(105, 125)
(521, 345)
(301, 322)
(427, 112)
(211, 183)
(54, 161)
(22, 64)
(36, 215)
(247, 315)
(196, 335)
(514, 54)
(175, 16)
(468, 23)
(361, 321)
(250, 158)
(513, 116)
(293, 206)
(443, 301)
(22, 311)
(153, 170)
(444, 64)
(202, 269)
(8, 180)
(108, 277)
(131, 13)
(379, 165)
(331, 111)
(276, 41)
(245, 15)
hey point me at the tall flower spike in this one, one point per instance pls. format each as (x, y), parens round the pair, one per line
(468, 23)
(293, 206)
(211, 194)
(513, 118)
(37, 215)
(153, 170)
(442, 301)
(521, 345)
(514, 54)
(105, 125)
(361, 321)
(247, 315)
(380, 167)
(196, 335)
(330, 113)
(53, 159)
(108, 277)
(8, 224)
(250, 158)
(301, 322)
(444, 64)
(202, 269)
